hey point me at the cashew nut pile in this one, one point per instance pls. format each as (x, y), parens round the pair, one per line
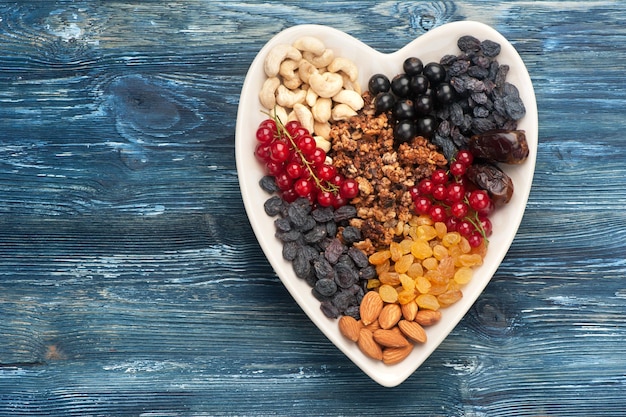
(306, 82)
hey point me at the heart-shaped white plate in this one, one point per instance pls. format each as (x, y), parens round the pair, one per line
(428, 47)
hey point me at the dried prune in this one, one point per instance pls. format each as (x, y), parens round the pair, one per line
(493, 180)
(508, 146)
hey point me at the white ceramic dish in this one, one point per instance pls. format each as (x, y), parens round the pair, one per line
(428, 47)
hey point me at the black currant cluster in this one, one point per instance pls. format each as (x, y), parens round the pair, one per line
(412, 97)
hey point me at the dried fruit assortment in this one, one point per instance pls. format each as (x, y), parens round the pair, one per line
(382, 198)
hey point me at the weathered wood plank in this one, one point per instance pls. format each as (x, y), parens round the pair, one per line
(130, 280)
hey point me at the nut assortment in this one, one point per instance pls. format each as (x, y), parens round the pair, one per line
(307, 82)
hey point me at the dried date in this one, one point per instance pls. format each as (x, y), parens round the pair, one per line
(493, 180)
(508, 146)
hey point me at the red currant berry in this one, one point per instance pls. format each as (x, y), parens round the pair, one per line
(303, 187)
(337, 180)
(440, 192)
(326, 172)
(459, 210)
(269, 123)
(294, 169)
(457, 169)
(306, 144)
(275, 168)
(422, 205)
(456, 192)
(465, 157)
(263, 152)
(475, 239)
(291, 126)
(479, 200)
(349, 189)
(289, 195)
(487, 210)
(325, 198)
(298, 132)
(312, 196)
(264, 134)
(425, 186)
(317, 157)
(452, 224)
(485, 223)
(465, 228)
(438, 213)
(339, 201)
(439, 176)
(280, 151)
(283, 181)
(414, 192)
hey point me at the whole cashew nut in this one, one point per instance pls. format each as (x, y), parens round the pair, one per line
(280, 113)
(321, 129)
(351, 98)
(292, 83)
(278, 54)
(288, 98)
(342, 112)
(322, 109)
(310, 44)
(311, 97)
(344, 65)
(287, 68)
(322, 143)
(351, 85)
(320, 61)
(327, 84)
(305, 69)
(304, 115)
(267, 95)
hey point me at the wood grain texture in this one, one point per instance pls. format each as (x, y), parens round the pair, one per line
(130, 280)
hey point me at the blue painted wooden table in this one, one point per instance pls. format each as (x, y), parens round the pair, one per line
(131, 283)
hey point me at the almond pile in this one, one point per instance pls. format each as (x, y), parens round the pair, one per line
(387, 331)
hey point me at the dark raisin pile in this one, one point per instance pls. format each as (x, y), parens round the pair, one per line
(483, 99)
(318, 242)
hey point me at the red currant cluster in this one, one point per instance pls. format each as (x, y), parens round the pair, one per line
(291, 155)
(449, 197)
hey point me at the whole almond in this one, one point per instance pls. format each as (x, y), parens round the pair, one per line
(368, 345)
(372, 326)
(409, 310)
(394, 355)
(389, 316)
(350, 327)
(413, 331)
(427, 317)
(370, 307)
(390, 338)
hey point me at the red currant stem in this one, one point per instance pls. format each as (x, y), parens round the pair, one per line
(475, 221)
(329, 187)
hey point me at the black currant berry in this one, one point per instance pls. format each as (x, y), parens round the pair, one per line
(444, 93)
(412, 66)
(404, 110)
(426, 126)
(378, 83)
(435, 72)
(424, 104)
(418, 84)
(400, 85)
(384, 102)
(404, 131)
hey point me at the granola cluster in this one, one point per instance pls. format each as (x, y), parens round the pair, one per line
(364, 149)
